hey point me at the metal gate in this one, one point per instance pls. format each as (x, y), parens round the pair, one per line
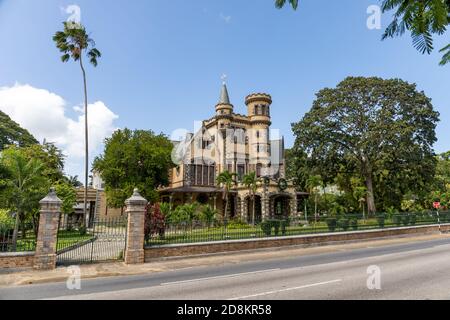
(103, 241)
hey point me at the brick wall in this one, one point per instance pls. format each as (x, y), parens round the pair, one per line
(239, 245)
(16, 260)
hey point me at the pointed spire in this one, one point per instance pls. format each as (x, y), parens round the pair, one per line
(224, 97)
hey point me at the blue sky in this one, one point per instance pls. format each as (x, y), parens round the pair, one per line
(162, 60)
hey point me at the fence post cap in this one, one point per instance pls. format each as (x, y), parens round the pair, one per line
(136, 199)
(51, 198)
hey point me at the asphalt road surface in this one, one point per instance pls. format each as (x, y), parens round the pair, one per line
(418, 270)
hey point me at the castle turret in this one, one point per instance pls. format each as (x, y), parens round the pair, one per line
(224, 107)
(258, 110)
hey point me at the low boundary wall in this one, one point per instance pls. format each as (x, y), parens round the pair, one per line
(16, 260)
(179, 250)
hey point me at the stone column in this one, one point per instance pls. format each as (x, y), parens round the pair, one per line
(244, 213)
(265, 207)
(215, 201)
(134, 251)
(293, 207)
(45, 256)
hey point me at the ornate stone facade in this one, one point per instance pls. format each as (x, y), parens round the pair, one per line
(239, 144)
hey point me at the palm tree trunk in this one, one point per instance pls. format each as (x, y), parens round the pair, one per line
(253, 209)
(86, 141)
(315, 207)
(16, 231)
(225, 214)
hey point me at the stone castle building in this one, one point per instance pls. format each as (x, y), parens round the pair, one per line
(239, 144)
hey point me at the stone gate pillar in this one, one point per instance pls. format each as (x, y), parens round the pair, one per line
(45, 256)
(134, 250)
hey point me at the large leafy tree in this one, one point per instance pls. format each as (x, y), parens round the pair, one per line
(74, 42)
(134, 159)
(379, 130)
(423, 18)
(12, 134)
(25, 186)
(52, 158)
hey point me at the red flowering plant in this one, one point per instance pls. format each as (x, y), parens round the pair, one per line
(155, 222)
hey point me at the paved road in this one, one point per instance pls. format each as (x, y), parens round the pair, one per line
(419, 270)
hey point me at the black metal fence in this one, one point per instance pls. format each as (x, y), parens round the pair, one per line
(25, 240)
(201, 231)
(103, 240)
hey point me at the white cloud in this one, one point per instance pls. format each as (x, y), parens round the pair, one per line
(225, 18)
(43, 114)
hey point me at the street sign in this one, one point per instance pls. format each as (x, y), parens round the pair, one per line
(436, 205)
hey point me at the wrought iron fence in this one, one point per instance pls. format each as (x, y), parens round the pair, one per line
(25, 240)
(103, 240)
(201, 231)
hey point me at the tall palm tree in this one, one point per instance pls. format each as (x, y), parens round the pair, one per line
(226, 181)
(251, 182)
(24, 182)
(74, 42)
(280, 3)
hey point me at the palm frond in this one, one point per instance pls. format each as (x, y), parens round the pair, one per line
(446, 57)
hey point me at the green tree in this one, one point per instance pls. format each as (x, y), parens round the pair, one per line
(73, 42)
(68, 196)
(25, 187)
(442, 180)
(134, 159)
(251, 182)
(52, 158)
(382, 131)
(12, 134)
(226, 181)
(297, 168)
(208, 214)
(423, 18)
(73, 181)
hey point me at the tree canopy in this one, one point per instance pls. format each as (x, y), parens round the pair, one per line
(12, 134)
(134, 159)
(381, 131)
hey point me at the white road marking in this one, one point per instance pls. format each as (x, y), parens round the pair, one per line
(287, 289)
(219, 277)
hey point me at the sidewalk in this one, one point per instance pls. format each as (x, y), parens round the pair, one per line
(29, 276)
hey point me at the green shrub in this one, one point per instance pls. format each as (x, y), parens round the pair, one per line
(381, 218)
(276, 225)
(284, 225)
(331, 223)
(354, 224)
(6, 221)
(397, 219)
(405, 219)
(344, 224)
(82, 230)
(266, 228)
(413, 219)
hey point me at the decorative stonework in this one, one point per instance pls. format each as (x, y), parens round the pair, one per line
(134, 251)
(45, 257)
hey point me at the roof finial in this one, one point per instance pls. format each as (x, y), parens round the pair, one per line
(224, 79)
